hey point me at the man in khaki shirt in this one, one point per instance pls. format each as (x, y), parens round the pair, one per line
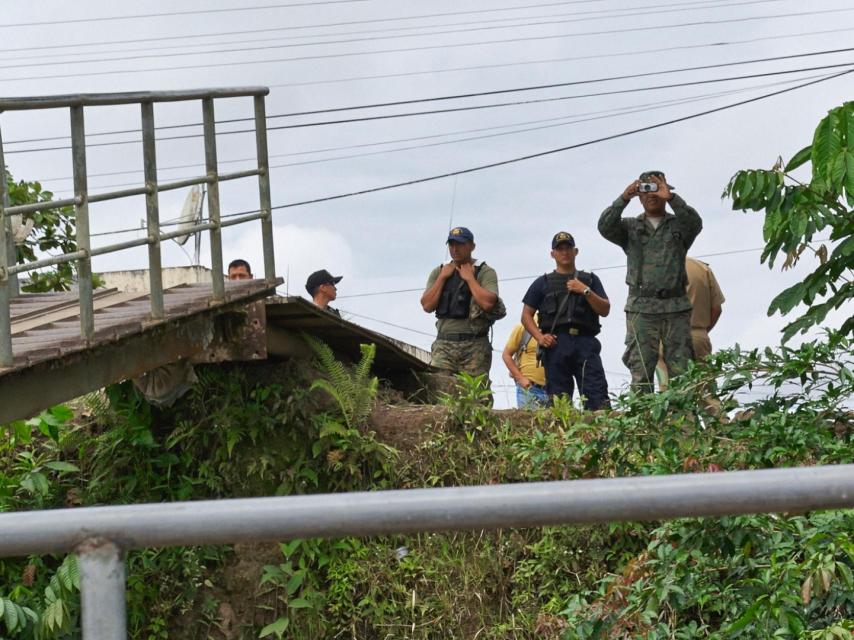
(706, 300)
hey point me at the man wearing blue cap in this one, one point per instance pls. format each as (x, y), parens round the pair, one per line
(658, 311)
(464, 295)
(570, 303)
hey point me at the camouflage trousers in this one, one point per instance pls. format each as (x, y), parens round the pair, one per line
(463, 356)
(645, 334)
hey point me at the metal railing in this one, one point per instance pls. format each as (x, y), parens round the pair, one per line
(76, 104)
(100, 535)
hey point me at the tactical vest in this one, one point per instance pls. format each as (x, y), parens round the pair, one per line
(455, 300)
(656, 264)
(576, 311)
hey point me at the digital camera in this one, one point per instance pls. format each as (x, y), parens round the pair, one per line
(647, 187)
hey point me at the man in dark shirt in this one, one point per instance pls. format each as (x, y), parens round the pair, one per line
(322, 286)
(570, 303)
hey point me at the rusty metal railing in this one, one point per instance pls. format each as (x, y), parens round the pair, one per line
(76, 104)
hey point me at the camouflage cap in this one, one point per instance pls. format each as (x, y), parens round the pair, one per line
(645, 176)
(562, 237)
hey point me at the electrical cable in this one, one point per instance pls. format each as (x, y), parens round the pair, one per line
(462, 96)
(548, 152)
(456, 109)
(374, 38)
(702, 23)
(177, 13)
(689, 6)
(300, 27)
(562, 121)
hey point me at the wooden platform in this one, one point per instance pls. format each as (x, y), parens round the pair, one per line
(53, 363)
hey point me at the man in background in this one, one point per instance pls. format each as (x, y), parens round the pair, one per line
(707, 299)
(322, 287)
(520, 357)
(239, 270)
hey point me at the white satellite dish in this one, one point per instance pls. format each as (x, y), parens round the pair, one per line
(190, 213)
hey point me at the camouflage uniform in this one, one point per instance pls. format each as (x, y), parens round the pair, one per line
(657, 309)
(462, 344)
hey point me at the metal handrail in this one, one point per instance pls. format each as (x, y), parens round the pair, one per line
(81, 200)
(100, 535)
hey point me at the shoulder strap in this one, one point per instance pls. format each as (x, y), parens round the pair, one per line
(523, 344)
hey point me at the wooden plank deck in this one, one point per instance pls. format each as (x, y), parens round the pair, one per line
(53, 363)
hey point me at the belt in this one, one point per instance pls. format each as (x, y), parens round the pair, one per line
(573, 331)
(461, 337)
(649, 292)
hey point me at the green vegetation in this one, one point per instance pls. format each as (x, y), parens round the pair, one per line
(267, 429)
(795, 212)
(51, 231)
(756, 577)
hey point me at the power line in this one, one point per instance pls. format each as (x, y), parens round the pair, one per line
(177, 13)
(474, 107)
(468, 95)
(374, 38)
(610, 13)
(548, 152)
(562, 120)
(407, 74)
(445, 46)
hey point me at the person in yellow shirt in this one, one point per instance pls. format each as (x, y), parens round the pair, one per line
(521, 361)
(707, 299)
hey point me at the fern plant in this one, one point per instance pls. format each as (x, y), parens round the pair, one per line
(354, 390)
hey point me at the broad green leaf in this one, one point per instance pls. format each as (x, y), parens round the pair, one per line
(10, 615)
(787, 299)
(746, 618)
(837, 171)
(278, 628)
(758, 189)
(799, 158)
(849, 173)
(2, 606)
(826, 145)
(60, 465)
(299, 603)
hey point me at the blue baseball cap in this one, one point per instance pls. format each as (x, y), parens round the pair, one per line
(460, 234)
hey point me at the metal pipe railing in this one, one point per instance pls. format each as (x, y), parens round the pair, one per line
(411, 510)
(81, 200)
(100, 535)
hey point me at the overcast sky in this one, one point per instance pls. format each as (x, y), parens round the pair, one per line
(320, 55)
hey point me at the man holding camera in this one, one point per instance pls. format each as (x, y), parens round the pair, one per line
(570, 303)
(464, 295)
(658, 312)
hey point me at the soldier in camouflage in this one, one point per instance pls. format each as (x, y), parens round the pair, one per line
(464, 295)
(658, 312)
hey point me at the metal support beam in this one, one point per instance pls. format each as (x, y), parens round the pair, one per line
(102, 590)
(152, 209)
(11, 256)
(81, 210)
(533, 504)
(209, 125)
(264, 188)
(8, 283)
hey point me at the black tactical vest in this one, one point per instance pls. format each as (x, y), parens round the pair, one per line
(576, 311)
(456, 296)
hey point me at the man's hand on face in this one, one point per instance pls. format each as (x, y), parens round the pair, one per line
(467, 271)
(547, 341)
(631, 191)
(664, 191)
(575, 286)
(447, 271)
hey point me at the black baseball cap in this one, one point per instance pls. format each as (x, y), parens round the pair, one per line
(318, 278)
(563, 237)
(460, 234)
(645, 176)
